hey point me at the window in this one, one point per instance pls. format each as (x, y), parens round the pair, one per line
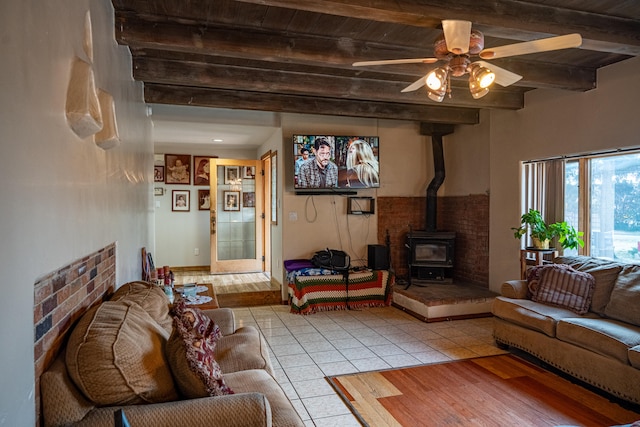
(614, 207)
(599, 194)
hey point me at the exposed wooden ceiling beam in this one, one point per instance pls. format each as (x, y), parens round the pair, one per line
(319, 51)
(525, 21)
(163, 71)
(234, 99)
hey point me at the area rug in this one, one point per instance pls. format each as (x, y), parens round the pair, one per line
(502, 390)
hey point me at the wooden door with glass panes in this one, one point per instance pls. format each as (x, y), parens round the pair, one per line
(236, 226)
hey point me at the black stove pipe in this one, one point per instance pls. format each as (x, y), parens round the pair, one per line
(436, 131)
(432, 190)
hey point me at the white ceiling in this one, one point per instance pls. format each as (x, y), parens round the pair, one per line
(186, 127)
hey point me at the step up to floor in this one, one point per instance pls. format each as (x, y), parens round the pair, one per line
(438, 301)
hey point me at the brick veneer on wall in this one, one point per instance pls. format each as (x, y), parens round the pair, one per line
(61, 297)
(468, 216)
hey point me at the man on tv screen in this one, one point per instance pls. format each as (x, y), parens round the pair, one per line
(319, 172)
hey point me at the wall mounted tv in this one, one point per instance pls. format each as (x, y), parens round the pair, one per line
(335, 164)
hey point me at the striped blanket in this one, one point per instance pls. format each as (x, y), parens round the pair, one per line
(309, 294)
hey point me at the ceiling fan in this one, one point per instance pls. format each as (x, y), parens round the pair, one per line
(455, 48)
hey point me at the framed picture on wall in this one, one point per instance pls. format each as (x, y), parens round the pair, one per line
(231, 174)
(158, 191)
(249, 172)
(249, 199)
(201, 170)
(177, 169)
(231, 201)
(158, 174)
(180, 200)
(204, 200)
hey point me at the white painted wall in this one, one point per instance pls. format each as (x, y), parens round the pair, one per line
(554, 123)
(466, 156)
(62, 196)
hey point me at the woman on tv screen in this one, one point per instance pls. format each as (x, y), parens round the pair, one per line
(362, 166)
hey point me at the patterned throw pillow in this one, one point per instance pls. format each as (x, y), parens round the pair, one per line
(565, 287)
(533, 276)
(190, 351)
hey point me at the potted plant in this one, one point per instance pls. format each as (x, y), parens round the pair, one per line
(541, 232)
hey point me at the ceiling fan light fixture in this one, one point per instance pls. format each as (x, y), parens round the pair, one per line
(436, 79)
(482, 76)
(436, 96)
(476, 90)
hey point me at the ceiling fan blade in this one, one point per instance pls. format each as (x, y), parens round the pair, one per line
(415, 85)
(397, 61)
(457, 34)
(503, 77)
(542, 45)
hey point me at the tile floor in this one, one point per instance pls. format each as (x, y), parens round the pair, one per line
(305, 349)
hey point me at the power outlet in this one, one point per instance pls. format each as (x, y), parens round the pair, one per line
(196, 251)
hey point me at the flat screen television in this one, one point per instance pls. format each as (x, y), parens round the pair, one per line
(335, 163)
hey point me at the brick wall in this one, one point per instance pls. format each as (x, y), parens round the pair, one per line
(61, 298)
(468, 216)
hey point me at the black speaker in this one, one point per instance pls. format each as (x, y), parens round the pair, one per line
(378, 257)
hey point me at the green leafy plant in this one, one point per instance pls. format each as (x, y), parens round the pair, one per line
(533, 223)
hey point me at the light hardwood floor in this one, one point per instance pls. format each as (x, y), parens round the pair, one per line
(227, 283)
(234, 290)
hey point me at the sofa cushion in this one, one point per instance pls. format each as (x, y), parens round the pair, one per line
(242, 350)
(148, 296)
(563, 286)
(607, 337)
(190, 351)
(532, 315)
(605, 273)
(634, 356)
(624, 303)
(115, 356)
(258, 380)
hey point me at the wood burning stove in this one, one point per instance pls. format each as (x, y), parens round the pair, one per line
(430, 254)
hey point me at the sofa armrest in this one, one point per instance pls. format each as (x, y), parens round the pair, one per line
(224, 318)
(514, 289)
(234, 410)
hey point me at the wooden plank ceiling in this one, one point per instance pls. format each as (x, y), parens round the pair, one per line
(297, 55)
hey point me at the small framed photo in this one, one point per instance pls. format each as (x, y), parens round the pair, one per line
(249, 172)
(204, 200)
(200, 170)
(158, 191)
(158, 174)
(231, 174)
(231, 201)
(249, 199)
(177, 169)
(180, 200)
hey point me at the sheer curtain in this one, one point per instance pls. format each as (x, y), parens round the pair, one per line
(543, 189)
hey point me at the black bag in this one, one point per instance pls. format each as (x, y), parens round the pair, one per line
(332, 259)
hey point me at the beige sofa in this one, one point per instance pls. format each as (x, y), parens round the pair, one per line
(119, 355)
(600, 347)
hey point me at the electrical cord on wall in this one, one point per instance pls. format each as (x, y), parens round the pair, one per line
(335, 217)
(362, 257)
(306, 209)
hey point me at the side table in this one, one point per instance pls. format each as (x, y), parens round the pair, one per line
(533, 256)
